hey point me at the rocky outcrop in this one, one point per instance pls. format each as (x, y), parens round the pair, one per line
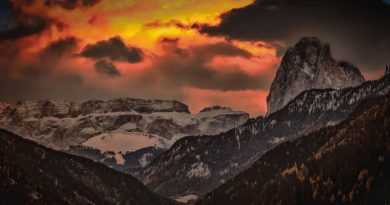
(309, 65)
(213, 108)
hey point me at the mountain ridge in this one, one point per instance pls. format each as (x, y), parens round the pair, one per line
(231, 152)
(33, 174)
(314, 165)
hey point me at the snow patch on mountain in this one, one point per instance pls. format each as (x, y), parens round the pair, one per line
(88, 131)
(125, 141)
(187, 198)
(145, 159)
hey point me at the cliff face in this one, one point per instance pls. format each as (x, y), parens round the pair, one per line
(309, 65)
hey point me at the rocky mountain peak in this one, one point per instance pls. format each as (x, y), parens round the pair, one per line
(309, 65)
(387, 70)
(216, 107)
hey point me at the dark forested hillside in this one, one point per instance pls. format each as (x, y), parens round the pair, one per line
(215, 159)
(348, 163)
(33, 174)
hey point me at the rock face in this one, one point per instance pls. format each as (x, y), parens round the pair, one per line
(33, 174)
(309, 170)
(309, 65)
(117, 128)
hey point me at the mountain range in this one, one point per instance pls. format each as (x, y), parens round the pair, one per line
(124, 133)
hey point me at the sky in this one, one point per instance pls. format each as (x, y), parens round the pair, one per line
(200, 52)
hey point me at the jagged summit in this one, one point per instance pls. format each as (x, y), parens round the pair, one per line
(387, 70)
(216, 107)
(309, 65)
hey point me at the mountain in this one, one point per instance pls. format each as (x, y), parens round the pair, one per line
(33, 174)
(196, 165)
(96, 125)
(309, 65)
(343, 164)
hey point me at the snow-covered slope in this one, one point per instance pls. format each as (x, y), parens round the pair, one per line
(125, 141)
(104, 125)
(121, 143)
(309, 65)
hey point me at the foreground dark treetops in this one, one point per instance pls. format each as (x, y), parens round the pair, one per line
(33, 174)
(343, 164)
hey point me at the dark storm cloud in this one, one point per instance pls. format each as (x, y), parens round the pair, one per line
(56, 49)
(46, 86)
(225, 49)
(114, 49)
(22, 25)
(71, 4)
(107, 68)
(193, 69)
(89, 3)
(358, 31)
(45, 79)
